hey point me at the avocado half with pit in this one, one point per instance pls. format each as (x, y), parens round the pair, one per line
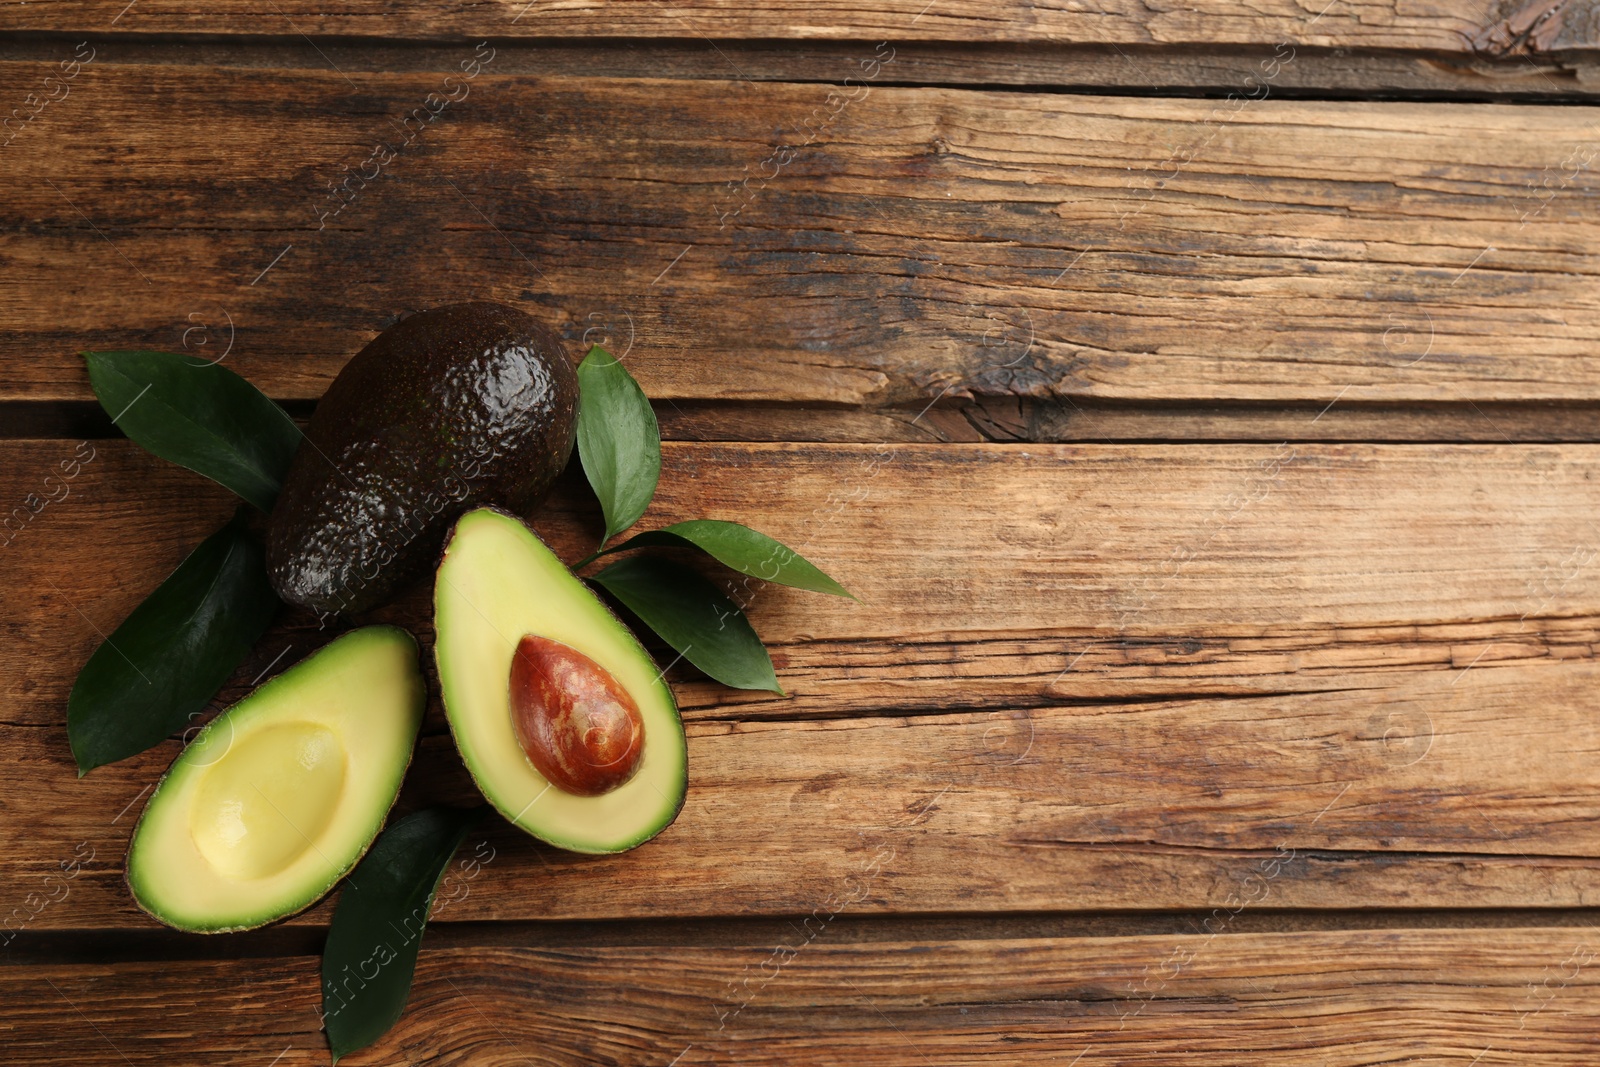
(278, 797)
(560, 715)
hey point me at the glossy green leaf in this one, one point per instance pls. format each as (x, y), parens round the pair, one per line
(745, 550)
(377, 925)
(198, 415)
(619, 442)
(694, 617)
(167, 660)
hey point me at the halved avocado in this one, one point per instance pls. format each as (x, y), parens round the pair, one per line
(280, 795)
(522, 644)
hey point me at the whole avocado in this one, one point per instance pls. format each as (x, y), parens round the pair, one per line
(452, 408)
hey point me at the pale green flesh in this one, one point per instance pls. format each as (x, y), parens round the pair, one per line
(498, 582)
(279, 796)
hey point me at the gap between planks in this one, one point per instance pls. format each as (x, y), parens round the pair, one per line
(1317, 73)
(1011, 420)
(131, 945)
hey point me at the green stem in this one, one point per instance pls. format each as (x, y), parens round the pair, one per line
(586, 560)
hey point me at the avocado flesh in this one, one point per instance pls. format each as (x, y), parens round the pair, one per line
(280, 795)
(496, 584)
(453, 407)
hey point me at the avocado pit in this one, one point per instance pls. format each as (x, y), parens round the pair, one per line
(576, 723)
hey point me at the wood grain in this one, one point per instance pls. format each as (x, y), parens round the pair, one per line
(1222, 753)
(1081, 678)
(1099, 68)
(1506, 27)
(926, 244)
(1500, 997)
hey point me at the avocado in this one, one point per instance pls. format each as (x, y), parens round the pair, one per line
(561, 716)
(458, 406)
(279, 796)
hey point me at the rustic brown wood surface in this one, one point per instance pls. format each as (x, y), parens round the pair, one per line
(925, 243)
(1345, 998)
(1218, 70)
(1289, 646)
(1203, 401)
(1498, 28)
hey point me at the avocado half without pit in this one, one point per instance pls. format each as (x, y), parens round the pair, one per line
(560, 715)
(280, 795)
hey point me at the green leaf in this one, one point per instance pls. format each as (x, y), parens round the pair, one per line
(619, 442)
(200, 416)
(694, 617)
(377, 925)
(745, 550)
(168, 658)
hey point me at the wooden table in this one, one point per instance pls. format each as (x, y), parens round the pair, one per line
(1202, 398)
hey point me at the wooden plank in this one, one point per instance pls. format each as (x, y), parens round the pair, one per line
(1081, 678)
(1208, 566)
(1509, 26)
(924, 244)
(1501, 997)
(1029, 63)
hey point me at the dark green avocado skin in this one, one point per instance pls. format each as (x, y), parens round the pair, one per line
(452, 408)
